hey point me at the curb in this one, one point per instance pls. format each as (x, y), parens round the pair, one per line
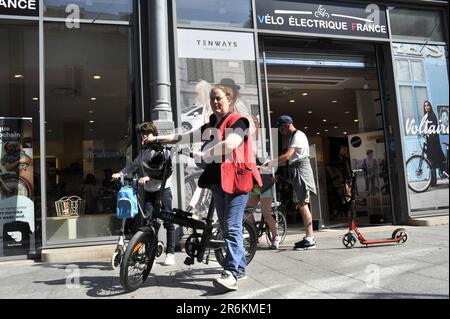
(77, 254)
(429, 221)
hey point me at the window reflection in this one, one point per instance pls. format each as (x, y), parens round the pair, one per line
(120, 10)
(236, 13)
(413, 24)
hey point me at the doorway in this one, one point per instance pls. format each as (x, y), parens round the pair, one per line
(331, 90)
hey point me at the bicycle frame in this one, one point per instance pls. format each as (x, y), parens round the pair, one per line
(184, 218)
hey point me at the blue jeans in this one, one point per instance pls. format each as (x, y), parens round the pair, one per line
(230, 211)
(150, 199)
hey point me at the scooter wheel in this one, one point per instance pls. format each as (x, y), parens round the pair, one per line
(401, 235)
(159, 249)
(349, 240)
(116, 259)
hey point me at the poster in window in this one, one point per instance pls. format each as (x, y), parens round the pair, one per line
(16, 184)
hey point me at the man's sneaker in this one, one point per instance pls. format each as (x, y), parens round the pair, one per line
(275, 242)
(170, 260)
(241, 277)
(305, 244)
(226, 281)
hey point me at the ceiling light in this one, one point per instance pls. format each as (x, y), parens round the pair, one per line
(336, 126)
(356, 121)
(91, 112)
(97, 77)
(292, 101)
(306, 127)
(35, 99)
(318, 133)
(309, 112)
(334, 101)
(326, 130)
(347, 112)
(18, 76)
(91, 121)
(345, 133)
(324, 120)
(305, 94)
(93, 98)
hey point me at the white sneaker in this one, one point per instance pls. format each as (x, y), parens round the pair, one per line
(226, 281)
(170, 260)
(275, 242)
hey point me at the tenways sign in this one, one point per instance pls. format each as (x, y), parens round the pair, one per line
(215, 45)
(323, 18)
(19, 7)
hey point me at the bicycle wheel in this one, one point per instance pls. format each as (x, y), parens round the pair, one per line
(14, 185)
(280, 225)
(138, 260)
(419, 173)
(250, 243)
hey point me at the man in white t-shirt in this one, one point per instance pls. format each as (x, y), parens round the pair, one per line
(300, 172)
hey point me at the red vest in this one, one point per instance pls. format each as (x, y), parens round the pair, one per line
(238, 169)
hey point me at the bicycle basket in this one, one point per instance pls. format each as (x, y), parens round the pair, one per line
(70, 206)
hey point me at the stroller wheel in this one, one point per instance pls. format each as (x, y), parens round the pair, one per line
(116, 259)
(349, 240)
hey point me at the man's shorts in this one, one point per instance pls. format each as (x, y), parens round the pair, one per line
(256, 191)
(302, 196)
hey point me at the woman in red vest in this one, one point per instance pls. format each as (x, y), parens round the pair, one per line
(230, 173)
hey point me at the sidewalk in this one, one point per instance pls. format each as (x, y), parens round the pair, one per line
(416, 269)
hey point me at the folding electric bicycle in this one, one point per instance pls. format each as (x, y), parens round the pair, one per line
(142, 249)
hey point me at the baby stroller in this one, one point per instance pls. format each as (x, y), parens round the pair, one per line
(127, 208)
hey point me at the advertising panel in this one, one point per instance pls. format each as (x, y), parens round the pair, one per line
(422, 84)
(17, 220)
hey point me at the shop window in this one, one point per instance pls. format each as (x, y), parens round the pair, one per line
(415, 24)
(114, 10)
(88, 126)
(20, 222)
(207, 13)
(200, 68)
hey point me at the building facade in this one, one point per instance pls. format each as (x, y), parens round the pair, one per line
(77, 76)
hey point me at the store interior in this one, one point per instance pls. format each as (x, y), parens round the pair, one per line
(331, 91)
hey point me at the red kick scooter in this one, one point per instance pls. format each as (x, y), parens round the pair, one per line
(399, 235)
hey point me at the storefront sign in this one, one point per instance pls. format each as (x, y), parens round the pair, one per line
(215, 45)
(323, 18)
(16, 183)
(19, 7)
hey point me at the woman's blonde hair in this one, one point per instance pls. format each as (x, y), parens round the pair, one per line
(229, 93)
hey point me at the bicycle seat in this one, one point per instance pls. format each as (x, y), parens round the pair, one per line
(275, 204)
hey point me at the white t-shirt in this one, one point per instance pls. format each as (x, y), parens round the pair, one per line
(300, 144)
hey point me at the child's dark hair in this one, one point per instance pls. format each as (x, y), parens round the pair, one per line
(147, 128)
